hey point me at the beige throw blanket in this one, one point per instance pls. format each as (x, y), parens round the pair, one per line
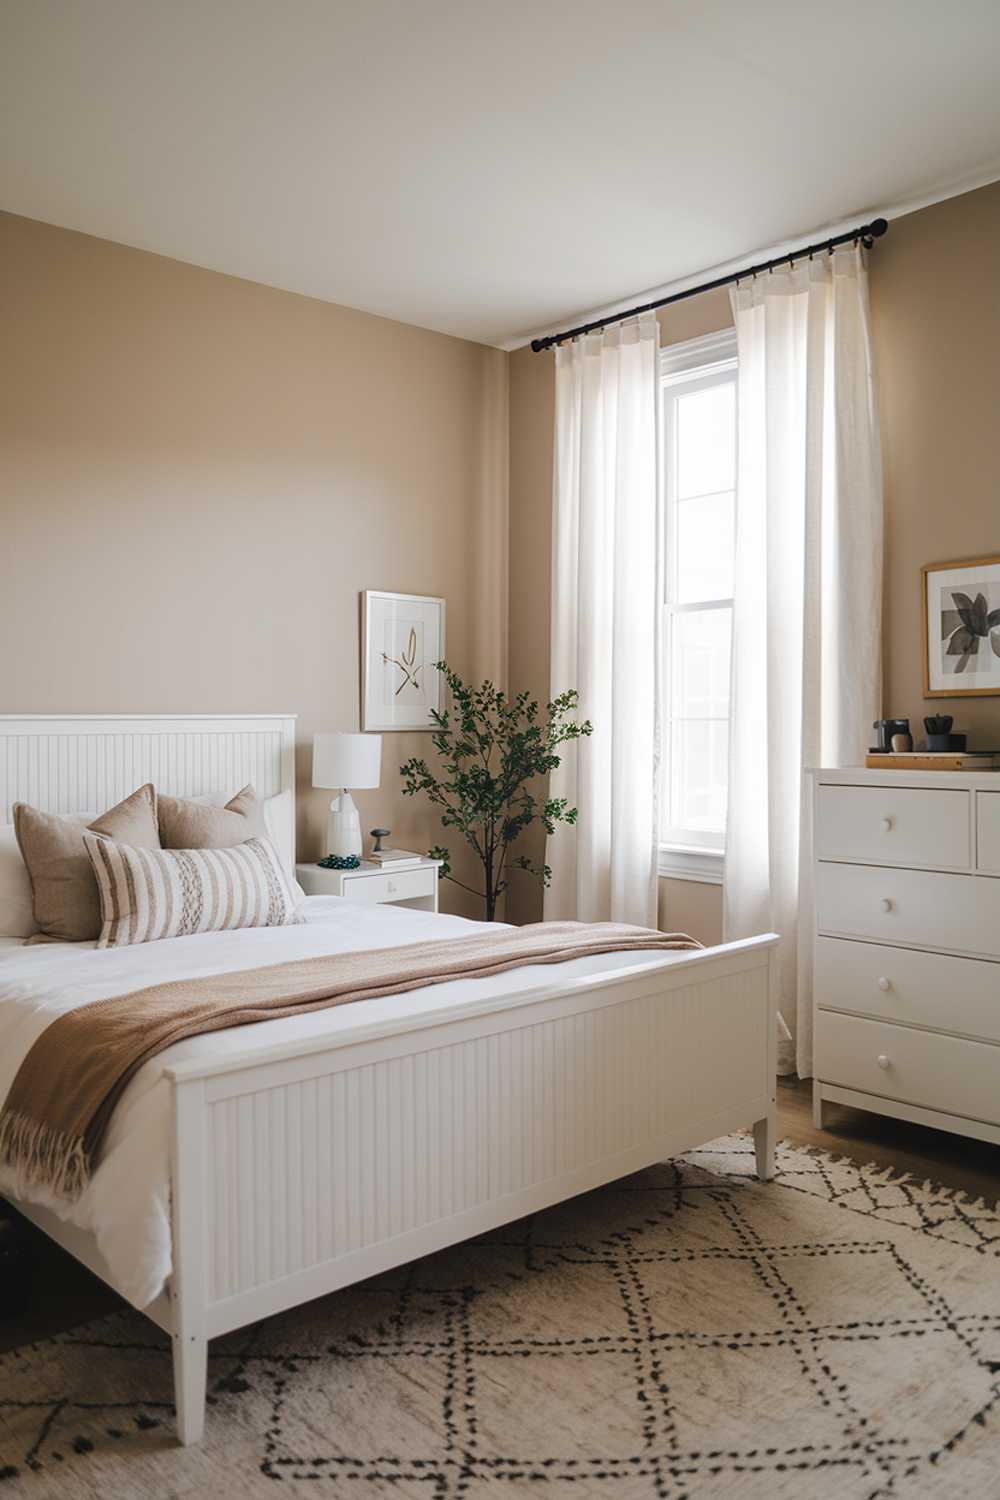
(61, 1100)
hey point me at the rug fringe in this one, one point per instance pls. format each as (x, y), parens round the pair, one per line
(933, 1191)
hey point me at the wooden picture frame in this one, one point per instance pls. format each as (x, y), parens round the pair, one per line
(961, 624)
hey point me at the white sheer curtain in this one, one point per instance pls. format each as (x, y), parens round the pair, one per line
(807, 614)
(605, 622)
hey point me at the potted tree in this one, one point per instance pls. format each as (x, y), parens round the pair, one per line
(491, 750)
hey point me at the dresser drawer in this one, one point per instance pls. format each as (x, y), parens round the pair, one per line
(900, 984)
(988, 832)
(959, 913)
(894, 826)
(916, 1067)
(404, 885)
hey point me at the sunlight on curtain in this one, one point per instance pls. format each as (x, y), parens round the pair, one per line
(606, 622)
(807, 610)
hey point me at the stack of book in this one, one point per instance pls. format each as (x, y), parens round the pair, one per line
(933, 760)
(395, 859)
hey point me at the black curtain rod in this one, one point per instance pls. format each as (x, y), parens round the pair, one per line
(866, 233)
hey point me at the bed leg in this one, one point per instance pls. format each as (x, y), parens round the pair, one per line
(190, 1377)
(764, 1133)
(817, 1104)
(189, 1283)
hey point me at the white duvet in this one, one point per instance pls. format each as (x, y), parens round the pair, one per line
(126, 1205)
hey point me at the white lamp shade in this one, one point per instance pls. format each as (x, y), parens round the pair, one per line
(347, 760)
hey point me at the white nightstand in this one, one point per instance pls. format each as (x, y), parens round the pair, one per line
(415, 887)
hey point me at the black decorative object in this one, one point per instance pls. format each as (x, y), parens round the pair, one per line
(378, 834)
(340, 862)
(884, 731)
(939, 735)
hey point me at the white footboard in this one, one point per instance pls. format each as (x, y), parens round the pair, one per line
(302, 1171)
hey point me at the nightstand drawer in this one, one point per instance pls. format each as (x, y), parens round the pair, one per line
(915, 1067)
(918, 908)
(894, 826)
(404, 885)
(900, 984)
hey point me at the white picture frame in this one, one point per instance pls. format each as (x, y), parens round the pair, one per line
(402, 637)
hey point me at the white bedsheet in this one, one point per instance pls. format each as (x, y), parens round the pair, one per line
(126, 1204)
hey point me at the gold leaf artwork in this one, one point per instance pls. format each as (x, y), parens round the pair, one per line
(406, 661)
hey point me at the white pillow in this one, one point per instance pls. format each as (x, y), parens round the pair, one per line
(17, 918)
(279, 820)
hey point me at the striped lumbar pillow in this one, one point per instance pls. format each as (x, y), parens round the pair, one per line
(148, 894)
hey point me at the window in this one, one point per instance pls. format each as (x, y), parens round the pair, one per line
(699, 412)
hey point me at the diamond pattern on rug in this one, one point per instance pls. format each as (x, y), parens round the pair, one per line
(688, 1332)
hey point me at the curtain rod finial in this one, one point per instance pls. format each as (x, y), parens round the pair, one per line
(878, 227)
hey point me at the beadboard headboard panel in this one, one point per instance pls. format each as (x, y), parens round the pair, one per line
(81, 763)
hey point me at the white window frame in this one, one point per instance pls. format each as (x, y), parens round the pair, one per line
(689, 856)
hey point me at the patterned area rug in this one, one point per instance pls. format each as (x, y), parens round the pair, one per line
(686, 1332)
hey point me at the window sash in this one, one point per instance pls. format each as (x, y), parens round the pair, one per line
(685, 370)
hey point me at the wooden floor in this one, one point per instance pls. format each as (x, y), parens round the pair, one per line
(63, 1294)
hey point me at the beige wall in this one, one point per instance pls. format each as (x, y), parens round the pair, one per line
(936, 325)
(197, 476)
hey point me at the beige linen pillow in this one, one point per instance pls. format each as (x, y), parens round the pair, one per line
(148, 894)
(64, 893)
(197, 825)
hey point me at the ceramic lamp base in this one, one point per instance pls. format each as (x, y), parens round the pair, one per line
(343, 829)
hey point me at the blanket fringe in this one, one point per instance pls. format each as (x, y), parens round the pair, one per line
(42, 1157)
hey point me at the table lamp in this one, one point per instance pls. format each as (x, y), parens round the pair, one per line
(346, 760)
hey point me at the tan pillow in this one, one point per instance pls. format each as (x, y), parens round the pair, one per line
(64, 893)
(196, 825)
(147, 895)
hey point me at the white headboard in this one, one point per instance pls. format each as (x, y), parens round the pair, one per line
(84, 763)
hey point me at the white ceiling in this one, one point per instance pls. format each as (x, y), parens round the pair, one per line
(488, 168)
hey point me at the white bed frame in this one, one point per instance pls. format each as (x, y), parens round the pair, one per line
(306, 1168)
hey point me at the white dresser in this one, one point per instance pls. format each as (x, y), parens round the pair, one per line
(907, 984)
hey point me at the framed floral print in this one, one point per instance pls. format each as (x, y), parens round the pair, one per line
(402, 636)
(961, 605)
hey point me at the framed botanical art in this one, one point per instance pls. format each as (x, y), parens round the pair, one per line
(961, 603)
(402, 636)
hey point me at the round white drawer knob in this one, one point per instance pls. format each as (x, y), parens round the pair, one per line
(886, 825)
(885, 984)
(885, 904)
(882, 1061)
